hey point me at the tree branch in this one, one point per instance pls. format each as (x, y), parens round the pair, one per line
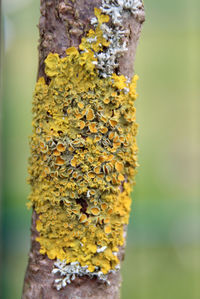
(62, 25)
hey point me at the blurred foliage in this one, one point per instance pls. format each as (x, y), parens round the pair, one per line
(162, 256)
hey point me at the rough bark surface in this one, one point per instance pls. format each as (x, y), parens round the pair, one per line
(62, 25)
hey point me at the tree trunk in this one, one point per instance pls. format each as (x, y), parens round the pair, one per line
(62, 25)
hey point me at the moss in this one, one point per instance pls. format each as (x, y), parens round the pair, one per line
(83, 156)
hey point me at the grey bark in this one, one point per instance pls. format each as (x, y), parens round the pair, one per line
(62, 24)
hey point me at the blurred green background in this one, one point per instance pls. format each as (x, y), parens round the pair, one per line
(163, 246)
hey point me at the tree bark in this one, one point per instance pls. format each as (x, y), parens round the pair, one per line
(62, 25)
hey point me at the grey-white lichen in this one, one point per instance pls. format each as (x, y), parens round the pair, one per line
(115, 8)
(69, 272)
(101, 249)
(114, 33)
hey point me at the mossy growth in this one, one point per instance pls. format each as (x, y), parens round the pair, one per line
(83, 156)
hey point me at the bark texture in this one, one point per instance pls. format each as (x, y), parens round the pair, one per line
(62, 24)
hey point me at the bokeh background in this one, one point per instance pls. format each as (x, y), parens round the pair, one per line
(163, 246)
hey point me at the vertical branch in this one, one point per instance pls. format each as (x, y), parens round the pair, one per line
(62, 25)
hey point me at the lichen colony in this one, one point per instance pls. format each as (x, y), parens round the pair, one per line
(83, 153)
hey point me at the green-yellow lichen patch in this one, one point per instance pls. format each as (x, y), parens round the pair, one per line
(83, 156)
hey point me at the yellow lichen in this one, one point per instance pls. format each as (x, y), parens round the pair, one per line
(119, 166)
(82, 124)
(95, 211)
(92, 127)
(90, 114)
(83, 156)
(61, 147)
